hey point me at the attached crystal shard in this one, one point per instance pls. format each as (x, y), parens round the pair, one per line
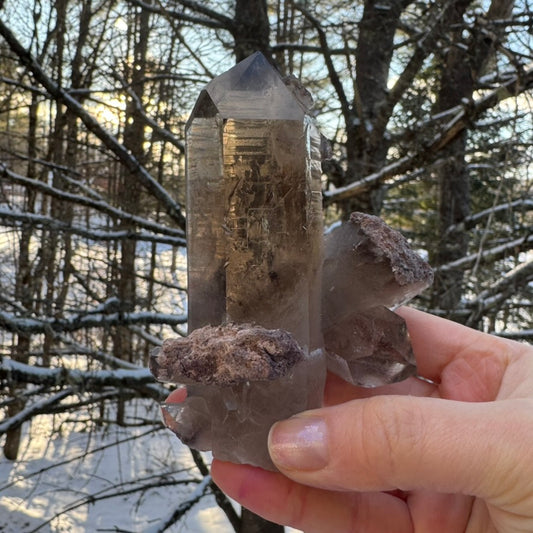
(368, 268)
(366, 264)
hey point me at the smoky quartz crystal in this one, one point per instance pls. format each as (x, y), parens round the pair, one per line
(273, 302)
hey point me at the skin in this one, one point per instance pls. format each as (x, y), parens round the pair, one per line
(451, 454)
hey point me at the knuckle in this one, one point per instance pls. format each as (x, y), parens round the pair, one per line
(298, 504)
(393, 435)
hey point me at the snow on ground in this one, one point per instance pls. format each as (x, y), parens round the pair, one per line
(74, 479)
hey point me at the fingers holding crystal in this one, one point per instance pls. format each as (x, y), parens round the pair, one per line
(177, 396)
(398, 442)
(466, 364)
(312, 510)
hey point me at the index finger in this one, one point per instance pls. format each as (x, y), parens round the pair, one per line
(438, 342)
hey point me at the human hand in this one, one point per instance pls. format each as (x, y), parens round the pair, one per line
(449, 456)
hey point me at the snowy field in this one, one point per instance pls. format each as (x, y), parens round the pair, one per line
(73, 479)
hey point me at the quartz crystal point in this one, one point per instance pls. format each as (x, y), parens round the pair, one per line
(254, 234)
(369, 267)
(254, 208)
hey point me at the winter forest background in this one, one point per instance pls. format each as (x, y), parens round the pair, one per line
(427, 105)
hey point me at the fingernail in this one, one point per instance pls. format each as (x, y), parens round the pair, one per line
(299, 443)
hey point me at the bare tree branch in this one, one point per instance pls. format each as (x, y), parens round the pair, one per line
(333, 75)
(12, 218)
(97, 204)
(36, 408)
(463, 116)
(162, 132)
(495, 252)
(174, 209)
(183, 507)
(525, 204)
(211, 19)
(17, 324)
(494, 296)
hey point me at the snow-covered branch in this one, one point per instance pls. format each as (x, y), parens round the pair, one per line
(471, 110)
(498, 295)
(459, 119)
(13, 218)
(93, 203)
(16, 372)
(523, 335)
(504, 287)
(33, 409)
(491, 253)
(353, 189)
(524, 204)
(124, 383)
(17, 324)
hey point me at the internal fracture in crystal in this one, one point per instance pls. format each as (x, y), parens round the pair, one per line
(270, 298)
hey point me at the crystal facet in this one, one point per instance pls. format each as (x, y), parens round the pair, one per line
(266, 307)
(370, 348)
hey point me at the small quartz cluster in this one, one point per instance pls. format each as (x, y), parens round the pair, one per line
(241, 378)
(273, 302)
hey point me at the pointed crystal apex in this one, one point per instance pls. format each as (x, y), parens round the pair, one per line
(252, 89)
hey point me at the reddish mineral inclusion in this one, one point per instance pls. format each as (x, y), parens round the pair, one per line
(240, 379)
(267, 306)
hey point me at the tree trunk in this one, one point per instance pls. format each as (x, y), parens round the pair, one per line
(24, 286)
(366, 146)
(252, 523)
(129, 190)
(463, 64)
(251, 29)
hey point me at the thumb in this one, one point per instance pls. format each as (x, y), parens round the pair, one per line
(408, 443)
